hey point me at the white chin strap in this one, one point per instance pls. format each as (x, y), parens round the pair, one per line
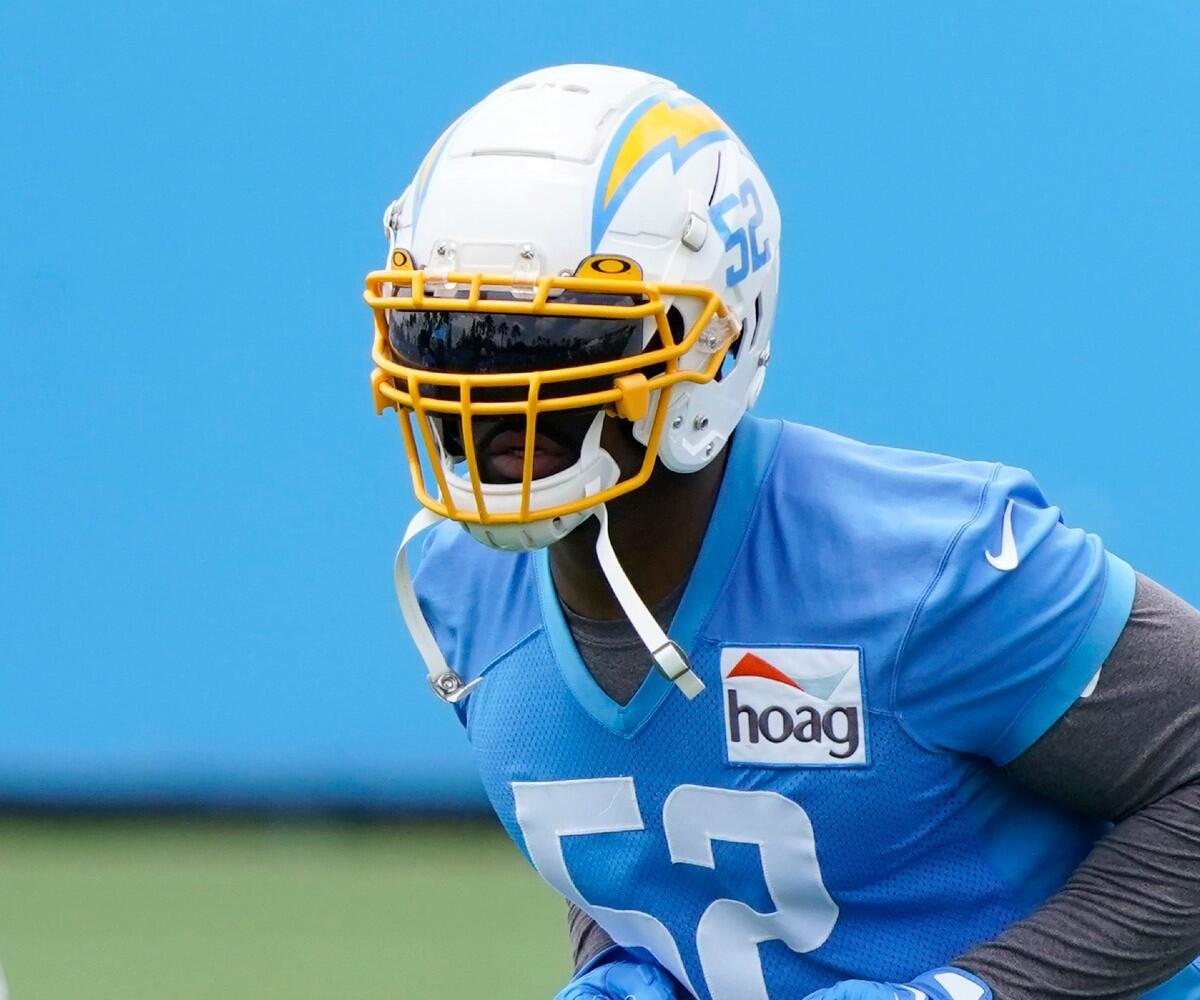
(671, 661)
(668, 657)
(446, 684)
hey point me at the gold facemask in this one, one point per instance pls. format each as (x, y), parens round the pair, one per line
(621, 385)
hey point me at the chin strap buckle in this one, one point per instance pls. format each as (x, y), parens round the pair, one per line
(450, 687)
(675, 666)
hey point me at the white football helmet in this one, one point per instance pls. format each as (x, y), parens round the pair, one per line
(587, 241)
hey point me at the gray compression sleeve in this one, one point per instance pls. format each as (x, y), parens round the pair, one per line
(588, 938)
(1129, 918)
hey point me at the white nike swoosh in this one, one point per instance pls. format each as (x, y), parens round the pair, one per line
(1008, 558)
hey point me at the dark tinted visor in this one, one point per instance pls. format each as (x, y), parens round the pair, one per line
(477, 342)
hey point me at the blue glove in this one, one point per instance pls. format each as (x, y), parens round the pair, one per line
(620, 978)
(940, 984)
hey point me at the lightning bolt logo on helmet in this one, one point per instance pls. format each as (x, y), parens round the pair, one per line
(678, 127)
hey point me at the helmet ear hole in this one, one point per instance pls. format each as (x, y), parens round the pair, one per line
(731, 355)
(676, 324)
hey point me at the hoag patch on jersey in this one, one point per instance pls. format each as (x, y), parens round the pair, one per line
(794, 705)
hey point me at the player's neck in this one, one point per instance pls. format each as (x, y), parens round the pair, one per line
(656, 532)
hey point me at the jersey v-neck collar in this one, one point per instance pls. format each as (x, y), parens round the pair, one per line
(750, 456)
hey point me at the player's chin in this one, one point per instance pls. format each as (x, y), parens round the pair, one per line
(509, 467)
(502, 454)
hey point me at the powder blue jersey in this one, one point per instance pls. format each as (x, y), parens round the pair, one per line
(877, 631)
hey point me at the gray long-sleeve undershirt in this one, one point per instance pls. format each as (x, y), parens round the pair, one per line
(1129, 918)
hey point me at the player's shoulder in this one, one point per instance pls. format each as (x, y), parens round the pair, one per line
(883, 496)
(853, 531)
(879, 473)
(463, 584)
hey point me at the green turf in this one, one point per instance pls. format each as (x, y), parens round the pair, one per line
(174, 910)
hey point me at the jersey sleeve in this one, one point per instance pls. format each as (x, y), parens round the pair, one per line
(1014, 626)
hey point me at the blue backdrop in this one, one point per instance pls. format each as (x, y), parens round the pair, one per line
(992, 244)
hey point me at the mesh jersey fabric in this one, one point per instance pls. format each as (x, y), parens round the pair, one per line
(911, 853)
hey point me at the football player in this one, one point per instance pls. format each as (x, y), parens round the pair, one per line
(780, 714)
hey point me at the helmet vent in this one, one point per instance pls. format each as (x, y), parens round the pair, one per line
(757, 318)
(716, 178)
